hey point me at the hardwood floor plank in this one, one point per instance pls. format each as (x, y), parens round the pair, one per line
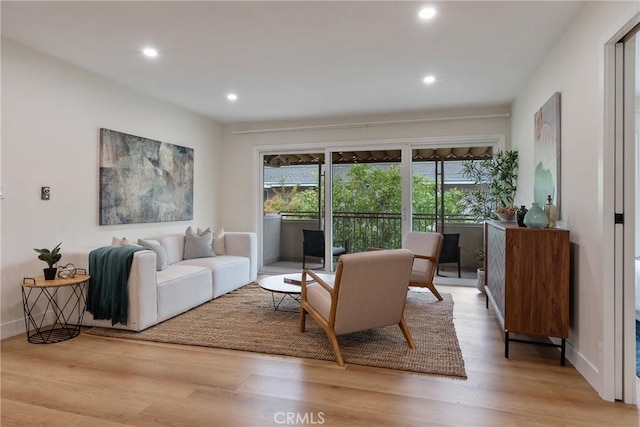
(93, 380)
(90, 400)
(113, 380)
(16, 413)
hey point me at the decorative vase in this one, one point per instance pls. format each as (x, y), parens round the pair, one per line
(536, 217)
(520, 215)
(50, 273)
(551, 211)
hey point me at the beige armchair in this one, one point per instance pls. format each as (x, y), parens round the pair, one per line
(426, 248)
(369, 291)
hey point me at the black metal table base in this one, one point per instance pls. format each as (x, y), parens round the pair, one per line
(276, 305)
(68, 315)
(561, 346)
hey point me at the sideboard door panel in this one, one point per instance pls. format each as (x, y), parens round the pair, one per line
(538, 285)
(495, 254)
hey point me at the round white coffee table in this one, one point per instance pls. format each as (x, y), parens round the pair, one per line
(277, 285)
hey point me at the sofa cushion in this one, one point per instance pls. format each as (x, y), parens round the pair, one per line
(228, 272)
(174, 245)
(182, 287)
(161, 253)
(198, 246)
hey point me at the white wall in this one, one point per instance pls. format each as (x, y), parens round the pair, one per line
(241, 146)
(575, 68)
(51, 116)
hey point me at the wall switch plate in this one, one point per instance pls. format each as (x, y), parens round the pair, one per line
(45, 193)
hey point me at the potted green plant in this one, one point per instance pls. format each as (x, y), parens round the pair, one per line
(494, 194)
(51, 257)
(496, 183)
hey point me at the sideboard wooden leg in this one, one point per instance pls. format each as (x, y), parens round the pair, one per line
(506, 344)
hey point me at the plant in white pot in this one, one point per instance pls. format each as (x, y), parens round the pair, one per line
(51, 257)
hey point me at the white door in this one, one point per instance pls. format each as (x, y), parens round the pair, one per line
(627, 300)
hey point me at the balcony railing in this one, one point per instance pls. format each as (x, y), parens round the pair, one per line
(360, 230)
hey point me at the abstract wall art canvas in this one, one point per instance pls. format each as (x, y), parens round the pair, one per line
(546, 153)
(143, 181)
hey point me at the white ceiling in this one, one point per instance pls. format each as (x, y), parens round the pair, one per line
(289, 60)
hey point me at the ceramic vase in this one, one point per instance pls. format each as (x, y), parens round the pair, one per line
(536, 217)
(520, 215)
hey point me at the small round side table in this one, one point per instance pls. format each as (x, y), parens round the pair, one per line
(69, 311)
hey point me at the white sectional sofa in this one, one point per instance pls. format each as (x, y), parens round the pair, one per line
(155, 296)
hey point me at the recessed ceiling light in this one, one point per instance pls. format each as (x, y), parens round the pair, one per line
(429, 79)
(427, 13)
(232, 97)
(149, 52)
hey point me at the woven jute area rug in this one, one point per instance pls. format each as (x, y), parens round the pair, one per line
(245, 320)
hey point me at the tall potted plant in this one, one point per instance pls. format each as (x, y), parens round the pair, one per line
(51, 257)
(496, 183)
(494, 194)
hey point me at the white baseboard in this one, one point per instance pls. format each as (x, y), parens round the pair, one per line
(17, 327)
(586, 369)
(454, 281)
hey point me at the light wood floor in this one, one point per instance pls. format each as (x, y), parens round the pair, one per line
(99, 381)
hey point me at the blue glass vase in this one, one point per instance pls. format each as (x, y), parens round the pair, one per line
(536, 217)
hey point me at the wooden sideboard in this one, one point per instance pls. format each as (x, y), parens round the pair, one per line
(527, 280)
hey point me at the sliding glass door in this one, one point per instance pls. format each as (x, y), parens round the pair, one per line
(363, 198)
(292, 201)
(367, 199)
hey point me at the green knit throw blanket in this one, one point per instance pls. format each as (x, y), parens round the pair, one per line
(108, 293)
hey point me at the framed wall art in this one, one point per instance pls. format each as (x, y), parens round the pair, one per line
(143, 180)
(546, 153)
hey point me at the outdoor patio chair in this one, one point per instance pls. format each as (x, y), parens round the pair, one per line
(369, 291)
(426, 249)
(313, 246)
(450, 251)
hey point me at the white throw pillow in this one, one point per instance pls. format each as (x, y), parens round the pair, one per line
(218, 242)
(198, 245)
(115, 241)
(162, 258)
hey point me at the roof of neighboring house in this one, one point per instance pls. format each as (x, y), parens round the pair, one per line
(307, 175)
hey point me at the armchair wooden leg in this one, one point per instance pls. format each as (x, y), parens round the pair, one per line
(435, 292)
(302, 319)
(407, 334)
(334, 346)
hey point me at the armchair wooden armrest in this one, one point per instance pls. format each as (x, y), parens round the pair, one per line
(427, 257)
(318, 280)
